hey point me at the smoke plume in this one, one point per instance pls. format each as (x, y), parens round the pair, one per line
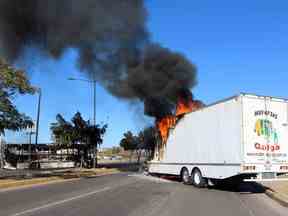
(112, 41)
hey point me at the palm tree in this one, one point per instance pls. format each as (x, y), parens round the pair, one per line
(129, 143)
(63, 132)
(145, 140)
(79, 132)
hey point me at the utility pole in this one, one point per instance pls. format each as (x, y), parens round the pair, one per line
(37, 121)
(95, 147)
(94, 102)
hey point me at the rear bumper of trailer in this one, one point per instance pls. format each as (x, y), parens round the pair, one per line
(268, 177)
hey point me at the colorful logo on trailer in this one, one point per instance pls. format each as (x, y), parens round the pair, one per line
(264, 127)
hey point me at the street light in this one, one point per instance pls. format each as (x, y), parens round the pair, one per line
(38, 118)
(30, 133)
(94, 110)
(94, 94)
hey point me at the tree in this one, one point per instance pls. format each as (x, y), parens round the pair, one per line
(80, 128)
(95, 135)
(78, 132)
(149, 140)
(145, 140)
(12, 83)
(129, 143)
(63, 132)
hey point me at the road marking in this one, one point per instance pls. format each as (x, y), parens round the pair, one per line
(61, 202)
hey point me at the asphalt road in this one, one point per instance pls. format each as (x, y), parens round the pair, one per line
(135, 195)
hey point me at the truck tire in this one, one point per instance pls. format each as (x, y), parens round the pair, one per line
(197, 179)
(185, 177)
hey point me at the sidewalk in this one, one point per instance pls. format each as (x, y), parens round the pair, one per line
(278, 190)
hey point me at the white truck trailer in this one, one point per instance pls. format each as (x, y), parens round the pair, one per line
(243, 137)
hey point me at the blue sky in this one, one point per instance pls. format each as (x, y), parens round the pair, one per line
(238, 46)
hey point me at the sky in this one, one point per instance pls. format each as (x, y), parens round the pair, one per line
(237, 46)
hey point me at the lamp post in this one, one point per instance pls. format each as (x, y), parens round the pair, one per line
(94, 112)
(30, 133)
(37, 121)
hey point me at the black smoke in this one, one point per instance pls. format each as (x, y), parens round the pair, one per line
(112, 41)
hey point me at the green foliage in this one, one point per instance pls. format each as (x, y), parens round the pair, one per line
(148, 138)
(63, 131)
(12, 83)
(145, 140)
(78, 131)
(129, 142)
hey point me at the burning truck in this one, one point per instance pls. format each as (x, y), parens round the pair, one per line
(241, 138)
(165, 124)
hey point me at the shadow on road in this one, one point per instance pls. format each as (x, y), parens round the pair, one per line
(242, 188)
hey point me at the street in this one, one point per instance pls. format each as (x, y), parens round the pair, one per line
(134, 194)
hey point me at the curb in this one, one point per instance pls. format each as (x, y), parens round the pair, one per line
(24, 186)
(52, 181)
(99, 175)
(281, 199)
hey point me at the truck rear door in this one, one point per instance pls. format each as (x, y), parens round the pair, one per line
(265, 135)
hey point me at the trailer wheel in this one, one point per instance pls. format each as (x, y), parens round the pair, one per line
(185, 177)
(197, 179)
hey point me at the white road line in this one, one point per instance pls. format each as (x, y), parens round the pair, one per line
(60, 202)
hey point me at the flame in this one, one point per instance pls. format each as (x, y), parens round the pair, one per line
(168, 122)
(184, 107)
(164, 126)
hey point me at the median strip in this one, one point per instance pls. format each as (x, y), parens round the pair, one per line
(6, 184)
